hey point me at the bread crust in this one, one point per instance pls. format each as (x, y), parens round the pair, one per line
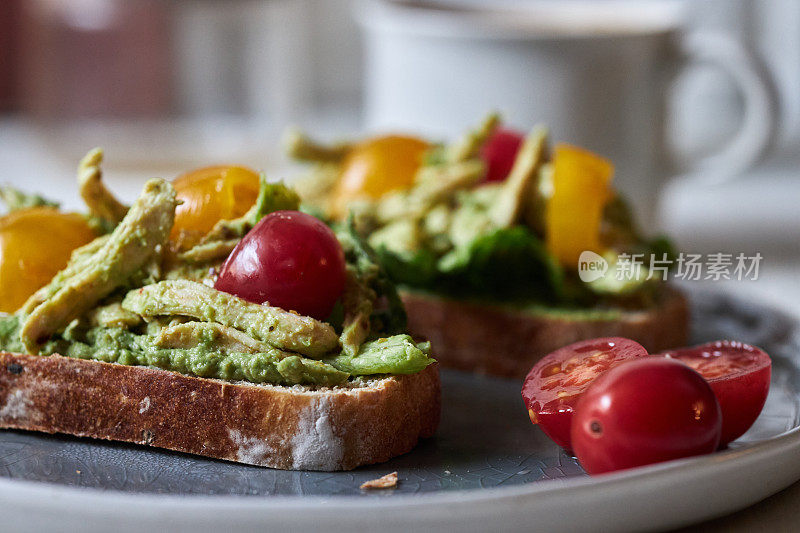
(506, 342)
(293, 428)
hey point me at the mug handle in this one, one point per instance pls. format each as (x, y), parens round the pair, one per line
(759, 123)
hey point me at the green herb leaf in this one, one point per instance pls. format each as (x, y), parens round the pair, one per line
(510, 263)
(505, 264)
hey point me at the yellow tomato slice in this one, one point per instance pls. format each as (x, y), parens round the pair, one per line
(574, 212)
(209, 195)
(377, 166)
(35, 244)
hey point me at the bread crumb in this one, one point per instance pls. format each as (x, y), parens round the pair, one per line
(389, 481)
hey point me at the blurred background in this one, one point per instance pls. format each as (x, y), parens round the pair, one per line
(698, 103)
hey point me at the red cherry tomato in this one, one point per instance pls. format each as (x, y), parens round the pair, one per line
(290, 260)
(643, 412)
(499, 153)
(739, 375)
(555, 383)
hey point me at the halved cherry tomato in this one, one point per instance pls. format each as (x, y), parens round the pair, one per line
(377, 166)
(645, 411)
(499, 153)
(35, 244)
(209, 195)
(290, 260)
(557, 381)
(738, 373)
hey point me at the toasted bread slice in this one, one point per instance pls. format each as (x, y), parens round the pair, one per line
(298, 428)
(504, 341)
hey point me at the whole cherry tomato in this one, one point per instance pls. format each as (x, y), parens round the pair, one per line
(499, 153)
(35, 244)
(209, 195)
(643, 412)
(377, 166)
(556, 382)
(739, 375)
(290, 260)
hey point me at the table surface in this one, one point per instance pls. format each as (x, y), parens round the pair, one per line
(780, 512)
(34, 159)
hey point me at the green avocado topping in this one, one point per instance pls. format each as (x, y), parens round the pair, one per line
(454, 234)
(115, 345)
(127, 298)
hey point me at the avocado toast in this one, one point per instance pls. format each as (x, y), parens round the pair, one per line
(488, 261)
(130, 341)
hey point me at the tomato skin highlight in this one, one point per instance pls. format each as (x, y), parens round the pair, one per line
(499, 153)
(556, 382)
(643, 412)
(290, 260)
(739, 375)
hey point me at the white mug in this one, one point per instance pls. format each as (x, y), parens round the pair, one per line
(597, 73)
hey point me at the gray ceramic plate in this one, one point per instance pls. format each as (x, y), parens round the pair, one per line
(488, 467)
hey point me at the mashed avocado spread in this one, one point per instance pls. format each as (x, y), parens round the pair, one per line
(130, 298)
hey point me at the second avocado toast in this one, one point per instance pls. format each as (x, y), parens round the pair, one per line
(484, 236)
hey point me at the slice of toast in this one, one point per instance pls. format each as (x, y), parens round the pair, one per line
(298, 428)
(506, 342)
